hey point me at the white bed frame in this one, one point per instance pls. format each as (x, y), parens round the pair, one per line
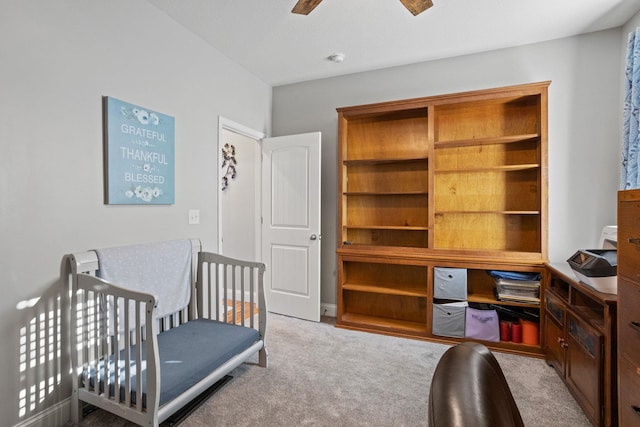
(218, 279)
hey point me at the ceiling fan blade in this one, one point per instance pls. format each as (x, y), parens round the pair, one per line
(304, 7)
(416, 7)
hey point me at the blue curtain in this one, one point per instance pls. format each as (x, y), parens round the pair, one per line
(630, 170)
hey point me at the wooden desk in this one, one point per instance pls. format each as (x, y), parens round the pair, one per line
(579, 341)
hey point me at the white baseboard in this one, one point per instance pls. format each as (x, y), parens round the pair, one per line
(330, 310)
(54, 416)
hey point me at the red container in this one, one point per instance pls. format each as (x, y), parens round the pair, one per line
(505, 331)
(516, 333)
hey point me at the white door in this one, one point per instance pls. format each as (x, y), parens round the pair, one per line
(291, 224)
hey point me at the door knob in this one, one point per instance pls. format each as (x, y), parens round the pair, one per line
(314, 237)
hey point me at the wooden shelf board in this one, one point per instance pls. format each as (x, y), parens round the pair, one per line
(385, 193)
(502, 168)
(385, 323)
(484, 141)
(489, 212)
(371, 249)
(387, 227)
(379, 161)
(488, 298)
(415, 291)
(517, 348)
(530, 350)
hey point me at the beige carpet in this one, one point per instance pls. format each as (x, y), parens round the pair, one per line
(319, 375)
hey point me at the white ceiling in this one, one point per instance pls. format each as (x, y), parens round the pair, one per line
(281, 48)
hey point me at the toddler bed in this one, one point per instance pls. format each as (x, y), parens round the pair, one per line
(153, 326)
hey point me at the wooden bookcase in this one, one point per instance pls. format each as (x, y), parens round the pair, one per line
(455, 180)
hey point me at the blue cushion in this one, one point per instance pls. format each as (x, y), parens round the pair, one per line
(188, 353)
(193, 350)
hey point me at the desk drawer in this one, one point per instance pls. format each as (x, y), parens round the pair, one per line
(629, 377)
(629, 317)
(629, 242)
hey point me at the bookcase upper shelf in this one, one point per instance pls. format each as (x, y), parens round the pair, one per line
(350, 162)
(486, 141)
(503, 168)
(469, 170)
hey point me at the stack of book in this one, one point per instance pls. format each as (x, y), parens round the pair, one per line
(516, 286)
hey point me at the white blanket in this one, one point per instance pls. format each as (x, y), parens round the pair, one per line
(162, 269)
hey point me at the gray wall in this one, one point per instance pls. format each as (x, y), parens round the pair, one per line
(58, 58)
(584, 125)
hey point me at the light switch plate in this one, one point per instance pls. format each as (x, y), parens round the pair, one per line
(194, 216)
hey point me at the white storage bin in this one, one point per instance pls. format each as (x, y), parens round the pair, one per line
(449, 319)
(450, 283)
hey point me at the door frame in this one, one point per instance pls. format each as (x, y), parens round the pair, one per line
(225, 124)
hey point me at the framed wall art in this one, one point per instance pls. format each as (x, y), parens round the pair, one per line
(139, 155)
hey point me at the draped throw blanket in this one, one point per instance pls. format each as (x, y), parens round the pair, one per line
(162, 269)
(630, 170)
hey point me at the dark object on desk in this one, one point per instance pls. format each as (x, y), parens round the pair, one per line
(469, 389)
(597, 268)
(595, 262)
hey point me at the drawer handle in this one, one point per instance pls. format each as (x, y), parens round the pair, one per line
(634, 324)
(634, 241)
(636, 408)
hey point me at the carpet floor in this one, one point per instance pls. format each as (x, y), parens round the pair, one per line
(319, 375)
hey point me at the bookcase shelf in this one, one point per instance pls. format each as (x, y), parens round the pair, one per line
(385, 161)
(414, 292)
(400, 327)
(489, 298)
(386, 193)
(502, 168)
(423, 181)
(387, 227)
(489, 212)
(487, 141)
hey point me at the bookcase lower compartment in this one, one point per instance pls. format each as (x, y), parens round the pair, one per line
(427, 299)
(389, 313)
